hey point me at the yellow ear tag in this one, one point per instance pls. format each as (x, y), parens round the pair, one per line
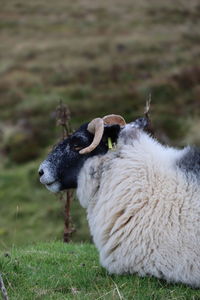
(110, 146)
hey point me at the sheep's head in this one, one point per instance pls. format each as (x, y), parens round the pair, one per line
(61, 168)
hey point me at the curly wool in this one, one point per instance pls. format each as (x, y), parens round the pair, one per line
(143, 210)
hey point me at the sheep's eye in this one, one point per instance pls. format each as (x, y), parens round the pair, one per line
(77, 147)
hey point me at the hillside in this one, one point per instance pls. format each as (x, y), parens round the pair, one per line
(99, 57)
(59, 271)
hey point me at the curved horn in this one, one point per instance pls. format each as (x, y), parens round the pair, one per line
(96, 127)
(114, 119)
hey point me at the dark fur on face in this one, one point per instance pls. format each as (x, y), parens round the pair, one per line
(65, 159)
(61, 168)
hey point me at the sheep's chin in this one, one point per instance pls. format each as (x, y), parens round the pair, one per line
(54, 187)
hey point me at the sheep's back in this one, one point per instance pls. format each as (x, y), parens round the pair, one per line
(145, 220)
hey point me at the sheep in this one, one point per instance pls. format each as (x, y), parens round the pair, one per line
(142, 198)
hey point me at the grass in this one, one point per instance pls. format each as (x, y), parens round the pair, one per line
(72, 271)
(30, 213)
(100, 57)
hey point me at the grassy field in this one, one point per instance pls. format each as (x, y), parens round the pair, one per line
(99, 57)
(30, 213)
(59, 271)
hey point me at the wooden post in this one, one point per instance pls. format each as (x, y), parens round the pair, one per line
(63, 120)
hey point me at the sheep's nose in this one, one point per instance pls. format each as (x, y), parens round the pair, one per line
(41, 172)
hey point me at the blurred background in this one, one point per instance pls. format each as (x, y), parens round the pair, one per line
(99, 57)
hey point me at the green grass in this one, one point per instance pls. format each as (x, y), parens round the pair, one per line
(30, 213)
(100, 58)
(72, 271)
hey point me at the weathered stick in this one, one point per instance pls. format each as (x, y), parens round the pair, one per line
(149, 127)
(147, 108)
(63, 120)
(3, 289)
(68, 228)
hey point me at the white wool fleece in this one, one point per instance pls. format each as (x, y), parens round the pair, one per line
(143, 211)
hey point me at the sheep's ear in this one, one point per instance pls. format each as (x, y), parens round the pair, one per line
(112, 131)
(141, 123)
(144, 124)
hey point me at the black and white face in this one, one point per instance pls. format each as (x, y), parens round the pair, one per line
(59, 171)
